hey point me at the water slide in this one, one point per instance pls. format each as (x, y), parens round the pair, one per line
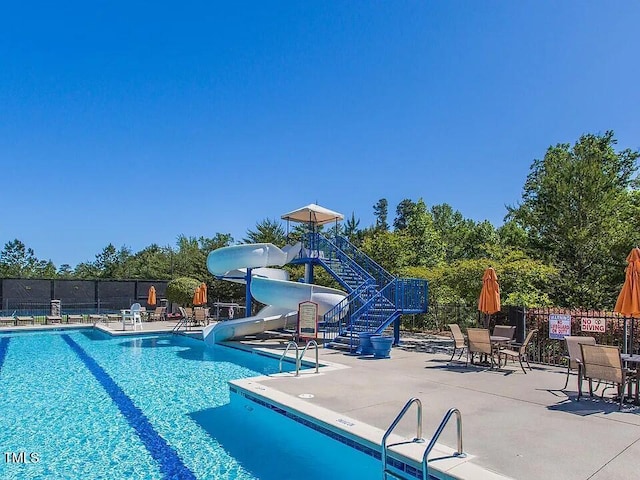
(270, 286)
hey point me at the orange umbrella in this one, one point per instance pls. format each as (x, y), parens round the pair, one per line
(489, 301)
(203, 293)
(628, 303)
(196, 296)
(151, 298)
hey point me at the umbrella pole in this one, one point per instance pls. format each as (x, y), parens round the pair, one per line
(624, 336)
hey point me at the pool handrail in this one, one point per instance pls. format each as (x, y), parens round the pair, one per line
(459, 453)
(394, 424)
(304, 350)
(286, 350)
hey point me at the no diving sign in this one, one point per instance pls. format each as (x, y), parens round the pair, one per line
(594, 325)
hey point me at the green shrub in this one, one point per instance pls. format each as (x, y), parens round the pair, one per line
(181, 290)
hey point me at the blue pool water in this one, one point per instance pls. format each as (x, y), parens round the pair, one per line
(83, 404)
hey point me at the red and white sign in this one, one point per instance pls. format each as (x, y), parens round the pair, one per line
(559, 326)
(598, 325)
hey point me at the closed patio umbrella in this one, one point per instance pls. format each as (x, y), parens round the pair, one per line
(489, 301)
(196, 296)
(203, 293)
(151, 297)
(628, 303)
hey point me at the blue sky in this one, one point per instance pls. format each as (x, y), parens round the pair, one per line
(131, 123)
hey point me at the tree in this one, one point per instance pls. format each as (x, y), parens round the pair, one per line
(454, 230)
(403, 210)
(380, 210)
(16, 260)
(267, 231)
(391, 250)
(351, 231)
(111, 263)
(573, 209)
(65, 271)
(426, 245)
(181, 290)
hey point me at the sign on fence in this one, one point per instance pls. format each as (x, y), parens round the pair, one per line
(308, 320)
(598, 325)
(559, 325)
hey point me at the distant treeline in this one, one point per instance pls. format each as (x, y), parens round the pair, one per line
(563, 244)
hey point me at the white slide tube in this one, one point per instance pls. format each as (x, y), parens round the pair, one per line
(268, 285)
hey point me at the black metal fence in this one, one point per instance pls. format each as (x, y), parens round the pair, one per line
(33, 296)
(542, 348)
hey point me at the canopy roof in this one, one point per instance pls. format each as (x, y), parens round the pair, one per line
(313, 213)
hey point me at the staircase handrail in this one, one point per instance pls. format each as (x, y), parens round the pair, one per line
(364, 258)
(341, 255)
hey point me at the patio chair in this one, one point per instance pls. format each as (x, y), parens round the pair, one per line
(506, 331)
(520, 353)
(52, 319)
(479, 341)
(75, 318)
(200, 316)
(8, 320)
(574, 354)
(603, 363)
(158, 314)
(458, 340)
(25, 319)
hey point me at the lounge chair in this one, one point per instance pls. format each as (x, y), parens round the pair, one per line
(25, 319)
(574, 355)
(521, 353)
(458, 340)
(603, 362)
(479, 341)
(159, 314)
(52, 319)
(8, 320)
(75, 318)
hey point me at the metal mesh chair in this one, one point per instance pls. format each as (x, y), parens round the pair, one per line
(604, 363)
(574, 354)
(520, 353)
(458, 340)
(479, 341)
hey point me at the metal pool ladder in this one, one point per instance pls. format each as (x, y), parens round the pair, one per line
(299, 357)
(418, 438)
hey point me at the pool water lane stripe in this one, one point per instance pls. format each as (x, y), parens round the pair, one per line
(170, 463)
(4, 346)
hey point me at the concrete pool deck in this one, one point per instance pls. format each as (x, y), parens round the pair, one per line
(520, 426)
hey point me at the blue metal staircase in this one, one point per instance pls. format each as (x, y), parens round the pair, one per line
(375, 297)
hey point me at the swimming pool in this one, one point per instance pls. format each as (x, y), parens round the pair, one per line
(83, 404)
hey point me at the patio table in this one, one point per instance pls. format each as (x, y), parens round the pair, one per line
(635, 360)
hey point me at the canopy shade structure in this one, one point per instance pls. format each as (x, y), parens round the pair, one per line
(314, 214)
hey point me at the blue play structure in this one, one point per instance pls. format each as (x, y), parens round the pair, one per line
(375, 299)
